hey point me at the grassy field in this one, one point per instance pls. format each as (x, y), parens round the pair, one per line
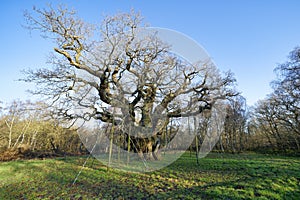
(218, 176)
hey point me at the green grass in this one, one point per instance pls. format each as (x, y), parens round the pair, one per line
(218, 176)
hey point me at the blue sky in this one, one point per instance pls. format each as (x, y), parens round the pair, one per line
(247, 37)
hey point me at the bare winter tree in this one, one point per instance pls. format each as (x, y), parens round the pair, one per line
(235, 124)
(286, 96)
(278, 116)
(114, 74)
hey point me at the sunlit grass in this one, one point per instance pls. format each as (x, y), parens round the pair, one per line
(218, 176)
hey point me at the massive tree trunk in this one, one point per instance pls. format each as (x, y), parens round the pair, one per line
(146, 148)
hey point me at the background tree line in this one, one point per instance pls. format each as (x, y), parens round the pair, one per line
(28, 127)
(273, 124)
(277, 118)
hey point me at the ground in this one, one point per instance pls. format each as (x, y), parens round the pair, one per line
(218, 176)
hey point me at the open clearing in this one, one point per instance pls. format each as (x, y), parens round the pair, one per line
(218, 176)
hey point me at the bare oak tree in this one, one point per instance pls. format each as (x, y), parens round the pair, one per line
(111, 72)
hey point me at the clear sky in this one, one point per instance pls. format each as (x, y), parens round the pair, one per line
(247, 37)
